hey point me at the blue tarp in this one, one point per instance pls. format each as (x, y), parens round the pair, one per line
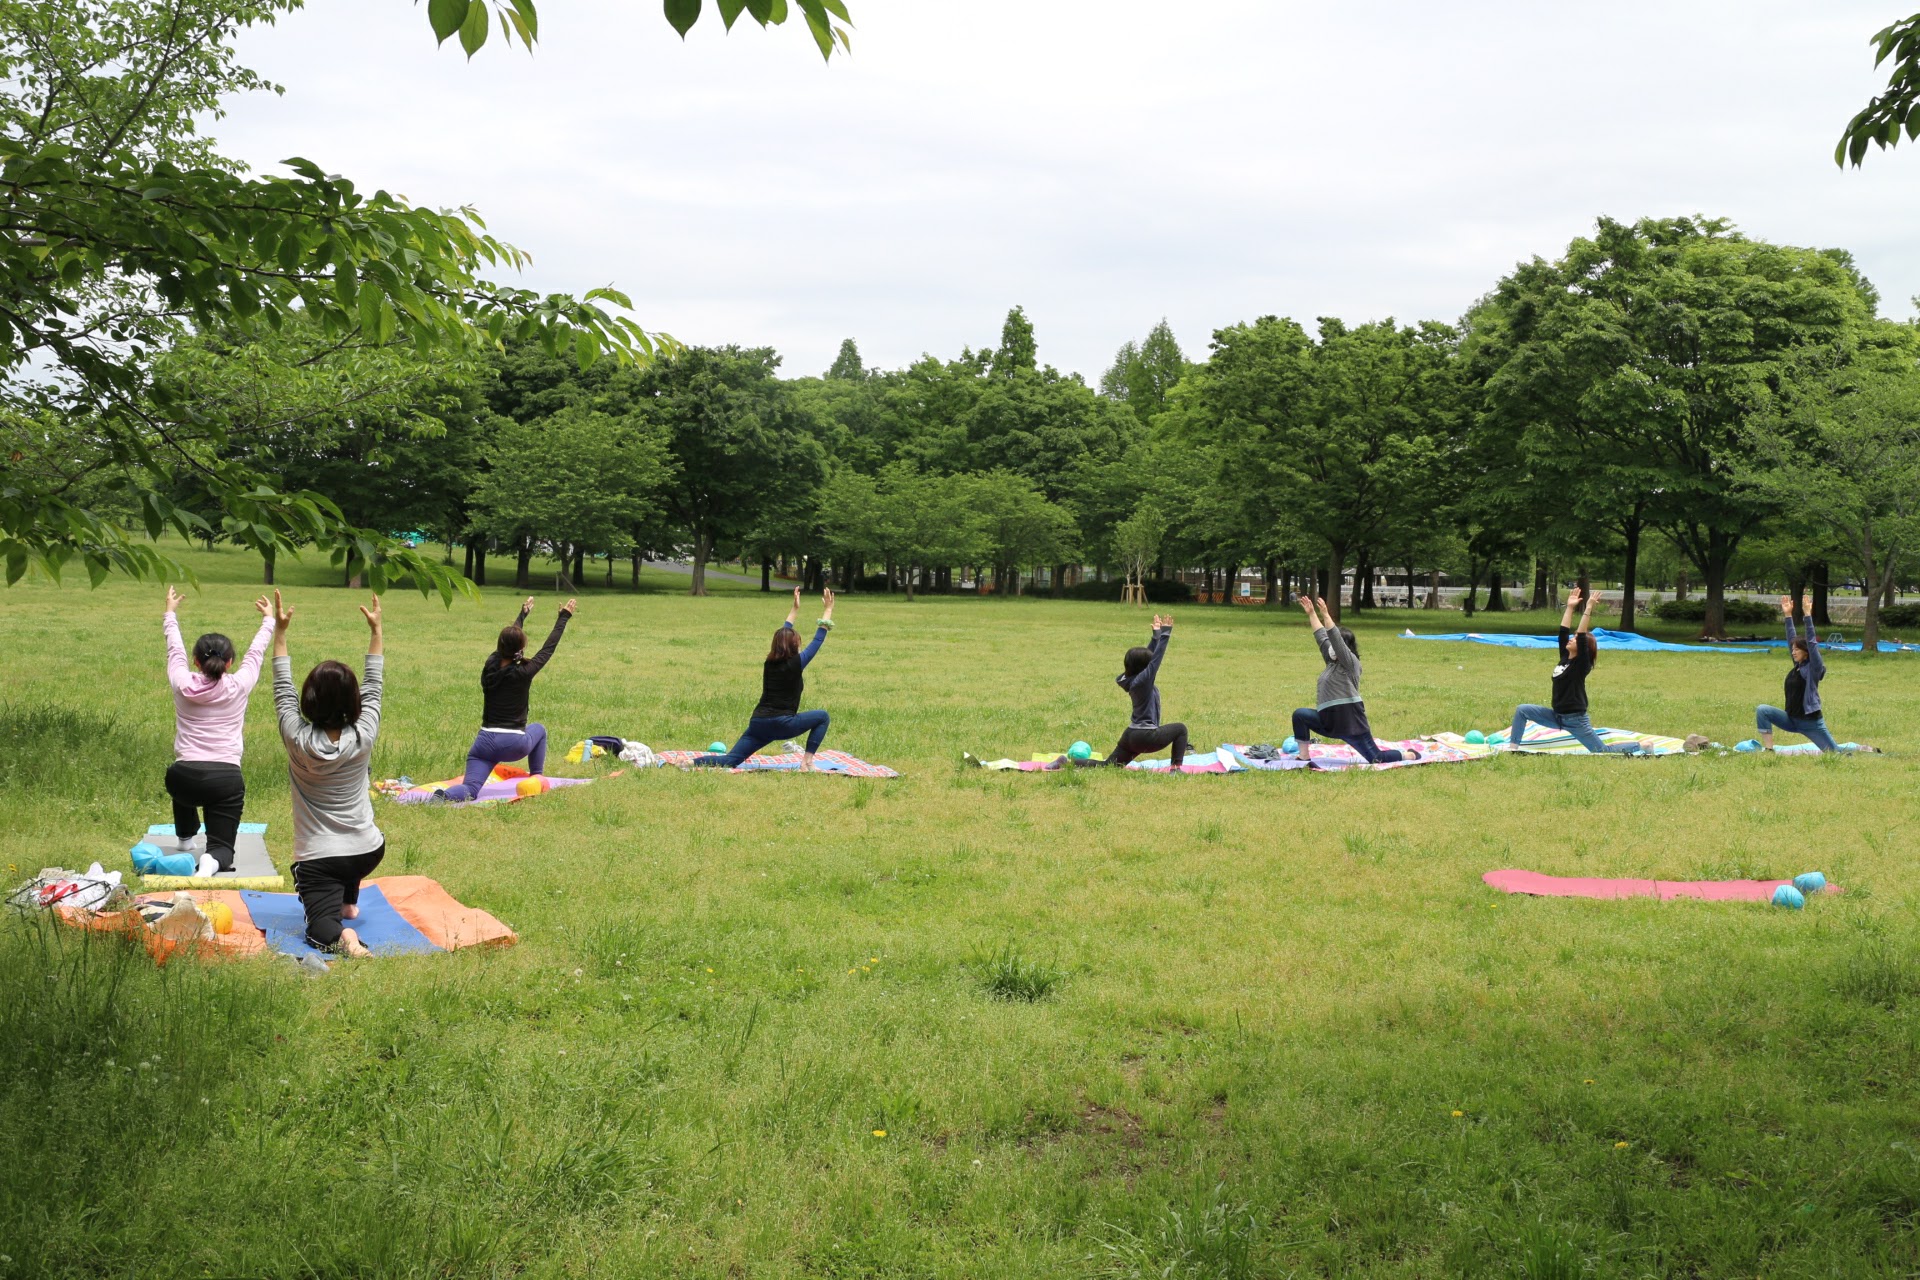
(1604, 638)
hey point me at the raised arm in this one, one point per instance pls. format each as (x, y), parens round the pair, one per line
(1157, 647)
(286, 704)
(1566, 614)
(369, 722)
(177, 669)
(793, 613)
(526, 607)
(820, 631)
(249, 673)
(540, 659)
(1586, 614)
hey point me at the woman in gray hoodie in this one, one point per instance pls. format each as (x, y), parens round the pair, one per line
(1338, 711)
(329, 731)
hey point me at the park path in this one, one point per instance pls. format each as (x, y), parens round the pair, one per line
(680, 566)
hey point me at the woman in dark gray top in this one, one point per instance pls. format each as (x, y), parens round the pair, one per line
(1144, 733)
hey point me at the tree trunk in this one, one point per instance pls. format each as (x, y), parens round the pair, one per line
(1058, 587)
(1359, 577)
(1496, 593)
(636, 570)
(1433, 589)
(1719, 555)
(1368, 574)
(815, 575)
(1409, 586)
(909, 584)
(1539, 600)
(766, 574)
(1230, 583)
(466, 570)
(1270, 581)
(480, 563)
(1330, 587)
(1473, 583)
(702, 548)
(1817, 581)
(1680, 584)
(268, 561)
(579, 563)
(1627, 603)
(609, 568)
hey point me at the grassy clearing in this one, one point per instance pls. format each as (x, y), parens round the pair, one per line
(1259, 1025)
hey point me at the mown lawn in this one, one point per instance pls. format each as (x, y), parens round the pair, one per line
(752, 1025)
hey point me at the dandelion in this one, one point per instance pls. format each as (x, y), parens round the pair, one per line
(873, 959)
(879, 1133)
(976, 1164)
(626, 997)
(709, 971)
(578, 972)
(1620, 1146)
(1458, 1114)
(204, 1102)
(1586, 1082)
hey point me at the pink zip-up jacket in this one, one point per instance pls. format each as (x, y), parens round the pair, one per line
(210, 714)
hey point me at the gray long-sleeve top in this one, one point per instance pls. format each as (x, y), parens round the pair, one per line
(1340, 678)
(332, 804)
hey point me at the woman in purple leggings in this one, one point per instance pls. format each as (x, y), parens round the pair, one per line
(506, 682)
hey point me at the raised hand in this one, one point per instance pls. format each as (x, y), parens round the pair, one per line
(372, 614)
(569, 606)
(174, 599)
(527, 605)
(1575, 598)
(282, 614)
(796, 598)
(265, 606)
(1786, 606)
(826, 601)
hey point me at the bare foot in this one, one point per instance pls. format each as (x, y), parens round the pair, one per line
(350, 912)
(806, 763)
(350, 943)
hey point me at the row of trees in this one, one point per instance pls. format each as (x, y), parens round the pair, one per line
(1669, 387)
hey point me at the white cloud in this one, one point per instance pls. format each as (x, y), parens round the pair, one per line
(1103, 164)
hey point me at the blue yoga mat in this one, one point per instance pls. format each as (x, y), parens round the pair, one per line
(383, 930)
(1604, 638)
(246, 829)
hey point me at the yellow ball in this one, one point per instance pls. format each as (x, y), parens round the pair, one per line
(221, 915)
(530, 786)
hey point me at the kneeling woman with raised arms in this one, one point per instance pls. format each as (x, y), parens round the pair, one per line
(781, 684)
(1338, 711)
(329, 730)
(506, 688)
(1569, 710)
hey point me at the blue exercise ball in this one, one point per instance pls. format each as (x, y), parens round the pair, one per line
(1476, 737)
(1290, 746)
(1810, 882)
(1080, 751)
(717, 748)
(1788, 896)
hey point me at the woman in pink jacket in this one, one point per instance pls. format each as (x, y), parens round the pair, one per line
(210, 706)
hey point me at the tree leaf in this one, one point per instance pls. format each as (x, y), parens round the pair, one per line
(729, 10)
(446, 17)
(761, 11)
(473, 31)
(682, 14)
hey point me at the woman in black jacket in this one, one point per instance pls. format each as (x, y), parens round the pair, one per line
(781, 684)
(506, 685)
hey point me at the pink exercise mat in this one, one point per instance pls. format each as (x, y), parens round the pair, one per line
(1545, 886)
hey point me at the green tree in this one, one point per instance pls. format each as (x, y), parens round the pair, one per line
(738, 438)
(1144, 374)
(579, 480)
(1841, 454)
(1019, 528)
(1017, 352)
(1654, 346)
(846, 366)
(519, 20)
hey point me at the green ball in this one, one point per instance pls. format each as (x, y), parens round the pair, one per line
(718, 748)
(1476, 737)
(1080, 751)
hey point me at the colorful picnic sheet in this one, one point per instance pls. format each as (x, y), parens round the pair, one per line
(1606, 639)
(418, 903)
(501, 787)
(1338, 755)
(1539, 738)
(825, 762)
(1546, 886)
(1221, 761)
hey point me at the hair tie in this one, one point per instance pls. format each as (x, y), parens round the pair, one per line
(825, 622)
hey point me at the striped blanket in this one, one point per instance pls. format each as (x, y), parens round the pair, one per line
(1338, 755)
(826, 762)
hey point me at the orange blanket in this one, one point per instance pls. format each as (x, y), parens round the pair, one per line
(419, 899)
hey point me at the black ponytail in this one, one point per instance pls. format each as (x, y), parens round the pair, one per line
(213, 654)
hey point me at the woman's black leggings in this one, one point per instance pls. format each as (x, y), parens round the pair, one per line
(215, 787)
(1137, 741)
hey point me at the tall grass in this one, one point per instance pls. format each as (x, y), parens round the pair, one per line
(755, 1025)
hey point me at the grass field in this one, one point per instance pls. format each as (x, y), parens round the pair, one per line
(778, 1025)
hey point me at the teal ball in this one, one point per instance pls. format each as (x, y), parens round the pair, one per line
(1810, 882)
(1788, 896)
(717, 748)
(1291, 746)
(1080, 751)
(1476, 737)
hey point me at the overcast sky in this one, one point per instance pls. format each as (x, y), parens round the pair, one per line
(1102, 162)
